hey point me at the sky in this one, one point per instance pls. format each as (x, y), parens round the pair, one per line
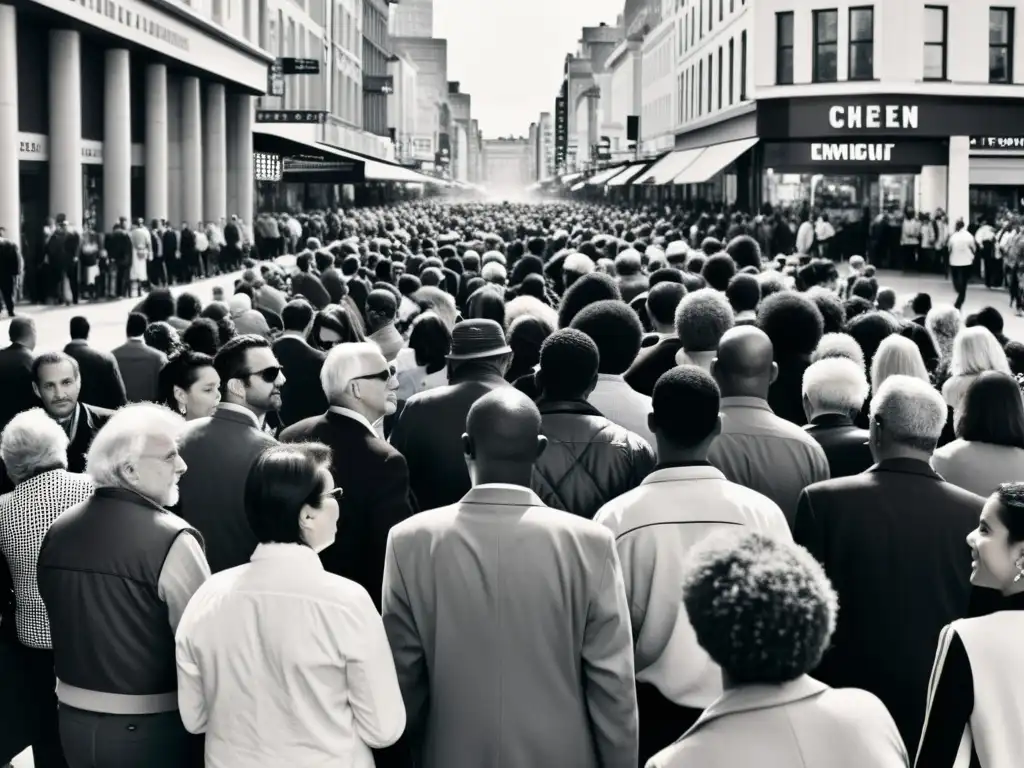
(510, 56)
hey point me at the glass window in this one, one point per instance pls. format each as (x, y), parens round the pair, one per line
(784, 48)
(711, 103)
(1000, 45)
(721, 66)
(826, 40)
(862, 43)
(721, 10)
(935, 31)
(743, 65)
(732, 64)
(700, 87)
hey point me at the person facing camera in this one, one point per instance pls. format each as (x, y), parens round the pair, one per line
(764, 611)
(248, 675)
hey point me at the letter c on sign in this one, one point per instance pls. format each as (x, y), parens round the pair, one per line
(835, 117)
(816, 152)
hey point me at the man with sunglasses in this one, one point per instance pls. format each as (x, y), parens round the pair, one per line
(220, 449)
(361, 387)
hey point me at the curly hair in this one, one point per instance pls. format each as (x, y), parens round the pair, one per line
(702, 318)
(762, 608)
(718, 270)
(793, 322)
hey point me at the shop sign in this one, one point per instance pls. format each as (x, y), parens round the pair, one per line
(290, 116)
(857, 153)
(997, 142)
(35, 147)
(853, 155)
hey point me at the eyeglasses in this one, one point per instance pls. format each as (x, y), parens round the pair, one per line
(385, 375)
(269, 374)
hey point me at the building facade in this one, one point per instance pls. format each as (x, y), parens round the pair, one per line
(413, 18)
(659, 99)
(127, 109)
(430, 57)
(461, 107)
(375, 60)
(545, 158)
(402, 106)
(507, 164)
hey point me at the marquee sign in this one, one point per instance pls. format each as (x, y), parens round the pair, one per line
(814, 156)
(997, 142)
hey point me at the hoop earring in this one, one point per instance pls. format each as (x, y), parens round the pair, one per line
(1020, 571)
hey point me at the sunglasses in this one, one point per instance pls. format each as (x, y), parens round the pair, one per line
(269, 375)
(385, 375)
(335, 493)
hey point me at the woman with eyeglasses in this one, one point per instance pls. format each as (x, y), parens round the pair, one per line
(333, 325)
(279, 661)
(189, 384)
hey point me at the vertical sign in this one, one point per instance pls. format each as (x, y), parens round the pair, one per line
(275, 79)
(561, 129)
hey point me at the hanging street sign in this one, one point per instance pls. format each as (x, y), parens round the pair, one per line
(290, 116)
(300, 66)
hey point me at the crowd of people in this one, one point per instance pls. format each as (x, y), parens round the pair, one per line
(460, 484)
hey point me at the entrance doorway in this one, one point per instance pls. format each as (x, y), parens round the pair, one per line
(34, 181)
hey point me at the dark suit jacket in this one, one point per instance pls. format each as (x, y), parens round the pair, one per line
(102, 384)
(429, 432)
(302, 395)
(16, 375)
(652, 361)
(892, 541)
(310, 287)
(845, 445)
(90, 419)
(219, 451)
(375, 481)
(140, 367)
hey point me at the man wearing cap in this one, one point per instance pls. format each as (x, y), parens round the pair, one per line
(429, 428)
(360, 386)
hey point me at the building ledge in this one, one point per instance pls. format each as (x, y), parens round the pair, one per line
(211, 28)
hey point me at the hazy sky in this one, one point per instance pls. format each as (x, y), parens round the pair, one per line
(509, 53)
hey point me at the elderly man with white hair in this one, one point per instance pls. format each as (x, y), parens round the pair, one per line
(834, 391)
(841, 345)
(116, 573)
(891, 540)
(575, 266)
(34, 449)
(360, 386)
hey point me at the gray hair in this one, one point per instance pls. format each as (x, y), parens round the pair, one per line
(897, 356)
(976, 350)
(944, 322)
(343, 364)
(702, 318)
(578, 264)
(123, 438)
(841, 345)
(835, 385)
(910, 411)
(32, 441)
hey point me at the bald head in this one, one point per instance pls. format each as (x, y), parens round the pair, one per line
(744, 366)
(503, 426)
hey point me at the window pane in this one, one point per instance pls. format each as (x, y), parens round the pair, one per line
(785, 24)
(998, 65)
(827, 70)
(998, 27)
(862, 61)
(827, 26)
(933, 62)
(934, 25)
(862, 23)
(785, 73)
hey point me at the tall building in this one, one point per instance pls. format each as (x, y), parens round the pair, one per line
(545, 146)
(413, 18)
(127, 109)
(375, 57)
(403, 105)
(507, 164)
(460, 105)
(433, 119)
(586, 77)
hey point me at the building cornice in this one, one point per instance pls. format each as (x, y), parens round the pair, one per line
(211, 28)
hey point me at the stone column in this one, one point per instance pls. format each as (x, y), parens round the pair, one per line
(117, 138)
(65, 138)
(10, 180)
(156, 151)
(215, 159)
(241, 154)
(191, 151)
(958, 179)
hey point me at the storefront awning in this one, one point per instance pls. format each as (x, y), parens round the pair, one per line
(578, 186)
(670, 166)
(601, 177)
(712, 160)
(377, 170)
(569, 178)
(630, 172)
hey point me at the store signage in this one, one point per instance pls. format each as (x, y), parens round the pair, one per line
(812, 156)
(266, 166)
(275, 79)
(130, 16)
(997, 142)
(892, 117)
(35, 147)
(379, 84)
(561, 129)
(300, 66)
(289, 116)
(858, 153)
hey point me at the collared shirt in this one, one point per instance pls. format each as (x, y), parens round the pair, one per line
(656, 525)
(257, 422)
(355, 416)
(70, 423)
(770, 455)
(621, 404)
(281, 663)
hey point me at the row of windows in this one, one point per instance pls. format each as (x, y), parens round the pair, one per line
(825, 68)
(690, 29)
(697, 94)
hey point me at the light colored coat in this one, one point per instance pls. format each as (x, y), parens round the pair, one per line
(510, 633)
(800, 724)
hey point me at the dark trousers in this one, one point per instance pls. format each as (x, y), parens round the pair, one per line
(94, 740)
(1013, 286)
(7, 292)
(29, 706)
(661, 721)
(124, 272)
(961, 276)
(993, 271)
(908, 257)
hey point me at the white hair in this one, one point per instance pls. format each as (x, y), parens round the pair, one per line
(578, 263)
(841, 345)
(433, 299)
(123, 438)
(897, 356)
(976, 350)
(629, 262)
(344, 363)
(910, 411)
(522, 306)
(493, 272)
(31, 441)
(944, 323)
(835, 385)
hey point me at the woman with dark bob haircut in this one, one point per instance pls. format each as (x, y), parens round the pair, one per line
(425, 364)
(989, 445)
(975, 695)
(189, 384)
(332, 326)
(764, 611)
(252, 626)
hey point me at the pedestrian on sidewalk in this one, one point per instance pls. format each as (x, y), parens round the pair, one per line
(962, 249)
